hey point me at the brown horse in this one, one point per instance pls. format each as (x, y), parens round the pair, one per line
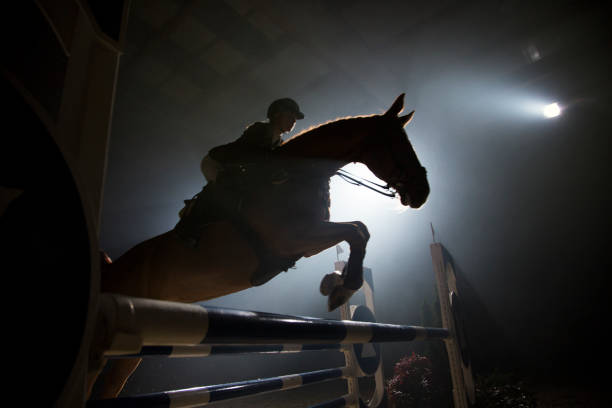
(289, 219)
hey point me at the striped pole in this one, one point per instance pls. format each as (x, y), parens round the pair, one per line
(136, 322)
(205, 350)
(198, 396)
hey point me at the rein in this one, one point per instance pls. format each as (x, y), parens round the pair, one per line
(360, 181)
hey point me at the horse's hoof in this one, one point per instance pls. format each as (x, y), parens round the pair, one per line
(338, 297)
(330, 282)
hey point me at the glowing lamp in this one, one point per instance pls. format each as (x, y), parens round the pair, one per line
(551, 111)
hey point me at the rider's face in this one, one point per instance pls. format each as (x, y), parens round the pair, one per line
(286, 121)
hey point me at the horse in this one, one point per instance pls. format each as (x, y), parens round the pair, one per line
(285, 219)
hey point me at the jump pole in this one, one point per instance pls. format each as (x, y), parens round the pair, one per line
(198, 396)
(205, 350)
(131, 323)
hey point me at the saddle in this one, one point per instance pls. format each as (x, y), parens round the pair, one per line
(222, 201)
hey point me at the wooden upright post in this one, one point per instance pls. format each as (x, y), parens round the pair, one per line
(458, 374)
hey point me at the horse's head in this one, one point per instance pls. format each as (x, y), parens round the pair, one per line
(390, 156)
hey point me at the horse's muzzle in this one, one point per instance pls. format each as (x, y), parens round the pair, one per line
(402, 191)
(415, 200)
(405, 199)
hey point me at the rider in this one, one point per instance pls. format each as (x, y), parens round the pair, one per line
(229, 161)
(256, 141)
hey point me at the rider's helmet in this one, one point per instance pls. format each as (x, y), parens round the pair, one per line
(284, 105)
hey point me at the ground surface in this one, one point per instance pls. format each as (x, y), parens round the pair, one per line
(547, 397)
(571, 397)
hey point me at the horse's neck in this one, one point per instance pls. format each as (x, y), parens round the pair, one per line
(331, 145)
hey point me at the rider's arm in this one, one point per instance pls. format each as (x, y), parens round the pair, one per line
(253, 146)
(257, 137)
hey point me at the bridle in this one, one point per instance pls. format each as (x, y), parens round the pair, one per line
(387, 190)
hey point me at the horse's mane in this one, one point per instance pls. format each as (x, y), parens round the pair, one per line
(328, 127)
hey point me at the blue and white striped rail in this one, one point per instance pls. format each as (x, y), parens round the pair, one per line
(205, 350)
(137, 327)
(199, 396)
(137, 322)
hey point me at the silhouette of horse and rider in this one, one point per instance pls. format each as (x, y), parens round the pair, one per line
(265, 206)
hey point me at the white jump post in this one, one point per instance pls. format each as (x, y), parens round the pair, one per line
(368, 352)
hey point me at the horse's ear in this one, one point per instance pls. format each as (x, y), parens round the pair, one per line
(404, 120)
(396, 108)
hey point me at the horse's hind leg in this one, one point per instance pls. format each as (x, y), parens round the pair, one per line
(113, 378)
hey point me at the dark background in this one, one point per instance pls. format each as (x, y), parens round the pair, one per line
(520, 201)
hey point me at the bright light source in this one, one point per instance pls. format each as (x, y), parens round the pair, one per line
(551, 111)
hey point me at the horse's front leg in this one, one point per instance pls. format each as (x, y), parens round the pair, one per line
(315, 239)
